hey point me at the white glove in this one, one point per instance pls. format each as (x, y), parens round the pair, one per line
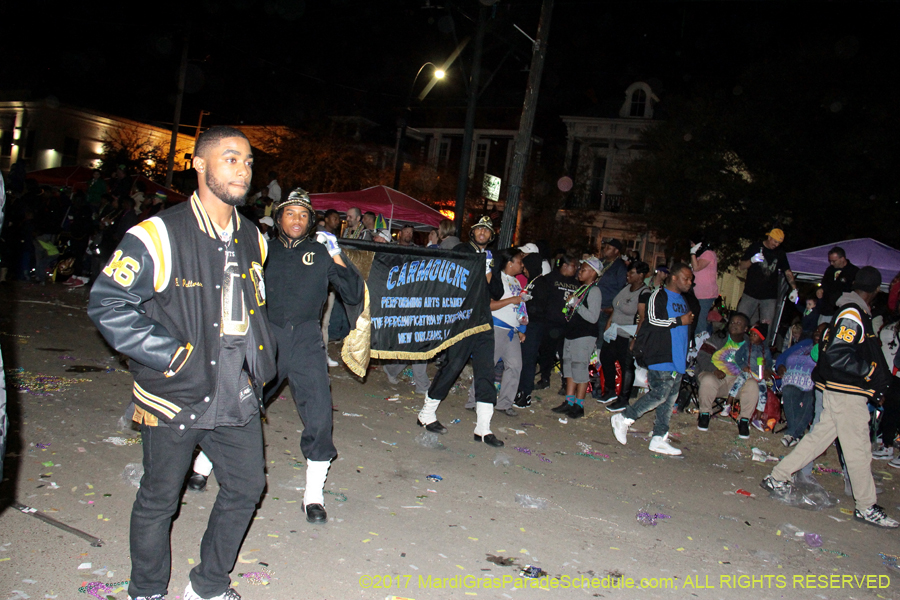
(696, 247)
(488, 261)
(757, 258)
(794, 296)
(329, 241)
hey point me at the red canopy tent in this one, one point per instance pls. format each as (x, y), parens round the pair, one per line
(77, 178)
(398, 208)
(72, 177)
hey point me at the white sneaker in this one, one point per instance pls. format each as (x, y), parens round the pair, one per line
(660, 443)
(875, 515)
(895, 463)
(333, 363)
(883, 453)
(190, 594)
(620, 424)
(726, 412)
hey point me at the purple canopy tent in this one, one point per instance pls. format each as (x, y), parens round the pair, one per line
(812, 262)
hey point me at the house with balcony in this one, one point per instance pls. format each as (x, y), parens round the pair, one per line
(597, 151)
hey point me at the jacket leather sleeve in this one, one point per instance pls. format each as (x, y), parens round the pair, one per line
(841, 352)
(115, 307)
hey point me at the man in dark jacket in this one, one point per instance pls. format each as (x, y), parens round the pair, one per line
(611, 282)
(480, 347)
(851, 372)
(183, 296)
(298, 273)
(837, 280)
(662, 343)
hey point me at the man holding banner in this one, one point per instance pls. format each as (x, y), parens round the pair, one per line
(480, 346)
(298, 272)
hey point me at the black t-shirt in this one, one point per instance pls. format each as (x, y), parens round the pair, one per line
(560, 287)
(762, 277)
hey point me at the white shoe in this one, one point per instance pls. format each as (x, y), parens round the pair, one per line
(895, 463)
(883, 453)
(190, 594)
(333, 363)
(620, 424)
(660, 443)
(726, 412)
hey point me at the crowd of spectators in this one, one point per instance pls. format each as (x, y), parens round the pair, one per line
(592, 317)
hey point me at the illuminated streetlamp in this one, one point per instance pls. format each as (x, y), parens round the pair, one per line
(404, 118)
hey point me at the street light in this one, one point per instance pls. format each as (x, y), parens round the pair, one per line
(404, 118)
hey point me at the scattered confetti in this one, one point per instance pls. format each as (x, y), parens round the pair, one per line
(260, 577)
(530, 453)
(95, 588)
(648, 520)
(39, 384)
(121, 441)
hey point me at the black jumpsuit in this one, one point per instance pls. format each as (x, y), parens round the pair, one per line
(297, 276)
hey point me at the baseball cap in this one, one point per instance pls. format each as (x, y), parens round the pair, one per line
(267, 221)
(529, 249)
(615, 244)
(867, 279)
(777, 235)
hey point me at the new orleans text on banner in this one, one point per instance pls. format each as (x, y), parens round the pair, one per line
(423, 302)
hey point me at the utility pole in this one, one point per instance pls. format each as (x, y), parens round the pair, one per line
(203, 113)
(523, 141)
(466, 156)
(182, 73)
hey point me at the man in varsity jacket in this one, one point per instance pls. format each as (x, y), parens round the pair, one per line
(851, 372)
(183, 296)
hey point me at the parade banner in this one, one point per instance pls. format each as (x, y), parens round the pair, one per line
(422, 301)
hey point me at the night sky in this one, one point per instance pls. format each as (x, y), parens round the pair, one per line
(297, 63)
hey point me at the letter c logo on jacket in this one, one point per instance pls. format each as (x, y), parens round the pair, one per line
(308, 258)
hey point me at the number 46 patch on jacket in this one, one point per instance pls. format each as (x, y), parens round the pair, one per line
(122, 269)
(846, 334)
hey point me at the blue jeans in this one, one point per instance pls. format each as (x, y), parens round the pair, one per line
(237, 456)
(798, 409)
(663, 392)
(701, 322)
